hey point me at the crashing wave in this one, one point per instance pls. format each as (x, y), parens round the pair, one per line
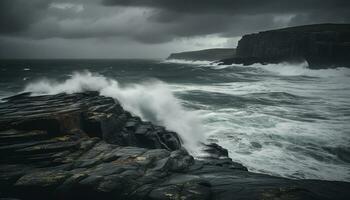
(152, 101)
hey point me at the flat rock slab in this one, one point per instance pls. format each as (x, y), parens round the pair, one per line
(75, 146)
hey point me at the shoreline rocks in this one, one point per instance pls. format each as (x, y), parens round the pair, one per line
(74, 146)
(321, 45)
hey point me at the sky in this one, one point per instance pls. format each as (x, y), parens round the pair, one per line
(147, 28)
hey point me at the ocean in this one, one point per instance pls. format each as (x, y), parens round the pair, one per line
(279, 119)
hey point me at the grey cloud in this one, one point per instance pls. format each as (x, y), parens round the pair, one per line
(235, 6)
(163, 20)
(18, 15)
(187, 18)
(156, 22)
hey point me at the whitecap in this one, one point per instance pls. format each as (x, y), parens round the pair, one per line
(301, 69)
(152, 101)
(189, 62)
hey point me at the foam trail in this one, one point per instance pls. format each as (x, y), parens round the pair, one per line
(152, 101)
(201, 63)
(189, 62)
(301, 69)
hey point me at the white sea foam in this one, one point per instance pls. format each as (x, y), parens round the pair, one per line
(285, 139)
(301, 69)
(201, 63)
(189, 62)
(268, 144)
(152, 101)
(283, 68)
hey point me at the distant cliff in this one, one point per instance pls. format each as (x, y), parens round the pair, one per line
(321, 45)
(207, 54)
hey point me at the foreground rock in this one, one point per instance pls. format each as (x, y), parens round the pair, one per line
(321, 45)
(85, 146)
(204, 55)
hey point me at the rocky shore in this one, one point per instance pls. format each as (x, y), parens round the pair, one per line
(86, 146)
(321, 45)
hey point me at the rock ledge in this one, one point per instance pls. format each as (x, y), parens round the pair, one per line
(75, 146)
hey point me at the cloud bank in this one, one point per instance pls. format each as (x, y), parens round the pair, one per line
(154, 22)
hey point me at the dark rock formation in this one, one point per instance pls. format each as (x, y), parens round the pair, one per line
(85, 146)
(204, 55)
(321, 45)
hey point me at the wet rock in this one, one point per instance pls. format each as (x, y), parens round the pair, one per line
(167, 192)
(93, 149)
(42, 179)
(215, 150)
(180, 160)
(182, 187)
(321, 45)
(218, 156)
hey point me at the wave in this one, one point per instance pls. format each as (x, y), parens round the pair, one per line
(152, 101)
(266, 143)
(202, 63)
(283, 68)
(301, 69)
(189, 62)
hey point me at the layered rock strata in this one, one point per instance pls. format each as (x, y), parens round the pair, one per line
(86, 146)
(321, 45)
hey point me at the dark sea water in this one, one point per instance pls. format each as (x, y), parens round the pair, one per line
(282, 119)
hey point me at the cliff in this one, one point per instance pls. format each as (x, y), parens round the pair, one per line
(204, 55)
(86, 146)
(321, 45)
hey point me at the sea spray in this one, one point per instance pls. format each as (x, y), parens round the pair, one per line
(282, 69)
(189, 62)
(152, 101)
(301, 69)
(288, 120)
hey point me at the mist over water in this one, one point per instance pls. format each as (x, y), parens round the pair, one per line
(279, 119)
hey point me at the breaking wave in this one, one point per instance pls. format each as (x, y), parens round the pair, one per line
(189, 62)
(280, 119)
(301, 69)
(152, 101)
(282, 69)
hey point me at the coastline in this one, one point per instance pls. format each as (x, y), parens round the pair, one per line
(84, 145)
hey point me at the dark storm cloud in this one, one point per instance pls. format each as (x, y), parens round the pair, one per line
(18, 15)
(235, 6)
(158, 21)
(188, 18)
(151, 22)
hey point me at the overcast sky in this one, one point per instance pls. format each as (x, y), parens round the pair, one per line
(147, 28)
